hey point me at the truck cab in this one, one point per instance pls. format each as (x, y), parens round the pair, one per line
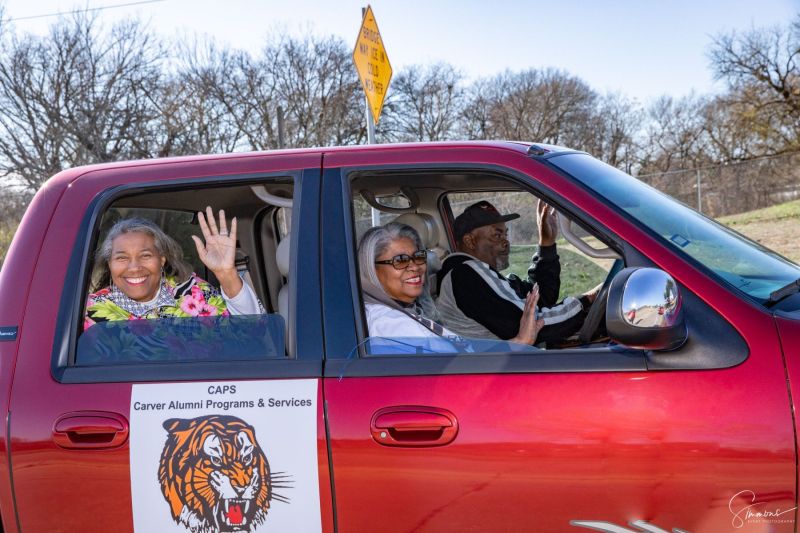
(677, 417)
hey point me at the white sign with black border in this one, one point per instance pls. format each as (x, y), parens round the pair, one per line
(225, 456)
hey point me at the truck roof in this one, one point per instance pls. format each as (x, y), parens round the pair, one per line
(69, 175)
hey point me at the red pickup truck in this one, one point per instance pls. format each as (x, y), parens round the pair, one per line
(674, 412)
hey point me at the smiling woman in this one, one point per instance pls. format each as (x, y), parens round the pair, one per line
(136, 266)
(143, 274)
(403, 281)
(392, 265)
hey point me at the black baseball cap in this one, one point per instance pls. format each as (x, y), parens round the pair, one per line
(477, 215)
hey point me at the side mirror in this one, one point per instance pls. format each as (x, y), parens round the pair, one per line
(645, 310)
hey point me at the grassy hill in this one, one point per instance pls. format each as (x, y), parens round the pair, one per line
(775, 227)
(578, 273)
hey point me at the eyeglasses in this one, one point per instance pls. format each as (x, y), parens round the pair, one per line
(401, 262)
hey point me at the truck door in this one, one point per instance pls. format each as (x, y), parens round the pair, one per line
(603, 438)
(180, 424)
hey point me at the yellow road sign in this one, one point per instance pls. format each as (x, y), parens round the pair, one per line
(372, 63)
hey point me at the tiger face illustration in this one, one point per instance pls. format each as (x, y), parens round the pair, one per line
(214, 474)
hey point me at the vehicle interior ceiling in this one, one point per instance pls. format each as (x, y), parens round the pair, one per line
(258, 231)
(427, 188)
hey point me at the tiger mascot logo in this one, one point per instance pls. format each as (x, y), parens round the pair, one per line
(215, 476)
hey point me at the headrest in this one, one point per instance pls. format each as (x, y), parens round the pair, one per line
(282, 255)
(425, 226)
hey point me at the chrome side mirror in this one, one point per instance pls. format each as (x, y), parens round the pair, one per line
(645, 310)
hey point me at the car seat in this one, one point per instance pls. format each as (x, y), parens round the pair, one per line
(283, 260)
(428, 231)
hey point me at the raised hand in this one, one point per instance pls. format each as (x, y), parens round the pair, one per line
(529, 326)
(218, 252)
(547, 220)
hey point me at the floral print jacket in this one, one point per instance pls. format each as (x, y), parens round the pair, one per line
(194, 297)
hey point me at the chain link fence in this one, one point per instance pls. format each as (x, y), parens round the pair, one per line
(733, 187)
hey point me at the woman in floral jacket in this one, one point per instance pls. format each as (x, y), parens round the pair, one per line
(143, 275)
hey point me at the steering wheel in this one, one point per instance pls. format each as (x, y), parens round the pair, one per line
(597, 311)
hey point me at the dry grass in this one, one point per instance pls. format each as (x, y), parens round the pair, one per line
(775, 227)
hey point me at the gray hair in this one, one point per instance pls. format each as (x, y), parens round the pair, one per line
(372, 245)
(165, 245)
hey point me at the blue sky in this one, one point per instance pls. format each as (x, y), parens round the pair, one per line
(642, 48)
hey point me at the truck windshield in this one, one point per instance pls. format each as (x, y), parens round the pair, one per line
(748, 266)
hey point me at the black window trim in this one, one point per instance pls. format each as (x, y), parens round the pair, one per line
(355, 362)
(362, 364)
(72, 302)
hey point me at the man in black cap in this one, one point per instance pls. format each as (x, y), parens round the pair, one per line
(475, 300)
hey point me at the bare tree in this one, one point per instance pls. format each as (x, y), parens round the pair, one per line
(424, 104)
(615, 130)
(538, 105)
(314, 79)
(202, 109)
(77, 96)
(674, 136)
(549, 106)
(732, 133)
(311, 79)
(476, 114)
(553, 107)
(760, 67)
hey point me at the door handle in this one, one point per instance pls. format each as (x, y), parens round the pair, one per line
(413, 425)
(90, 429)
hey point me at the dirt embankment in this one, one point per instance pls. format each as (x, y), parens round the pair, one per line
(776, 227)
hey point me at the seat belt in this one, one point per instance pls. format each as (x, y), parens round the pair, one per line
(243, 267)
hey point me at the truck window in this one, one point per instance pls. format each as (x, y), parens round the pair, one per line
(461, 303)
(169, 283)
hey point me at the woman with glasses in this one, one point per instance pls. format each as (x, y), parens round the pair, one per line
(392, 265)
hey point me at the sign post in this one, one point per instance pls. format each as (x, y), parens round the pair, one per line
(375, 72)
(372, 63)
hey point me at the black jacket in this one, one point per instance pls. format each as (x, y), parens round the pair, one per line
(489, 298)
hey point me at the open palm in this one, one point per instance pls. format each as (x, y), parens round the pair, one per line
(529, 325)
(547, 220)
(218, 252)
